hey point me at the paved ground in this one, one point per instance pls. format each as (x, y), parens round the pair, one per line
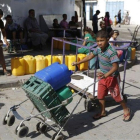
(81, 126)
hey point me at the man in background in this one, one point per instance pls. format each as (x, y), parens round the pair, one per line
(37, 36)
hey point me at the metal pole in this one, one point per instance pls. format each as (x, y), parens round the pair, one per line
(63, 52)
(84, 13)
(52, 50)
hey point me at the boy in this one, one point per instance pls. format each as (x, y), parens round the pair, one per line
(55, 23)
(13, 30)
(113, 37)
(108, 62)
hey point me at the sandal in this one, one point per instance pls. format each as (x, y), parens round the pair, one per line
(99, 116)
(128, 115)
(7, 73)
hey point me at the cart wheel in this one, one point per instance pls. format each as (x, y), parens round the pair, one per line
(60, 137)
(23, 131)
(88, 105)
(10, 120)
(38, 126)
(42, 128)
(125, 98)
(4, 122)
(17, 127)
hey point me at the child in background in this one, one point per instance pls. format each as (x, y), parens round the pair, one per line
(102, 25)
(115, 21)
(89, 36)
(108, 75)
(114, 34)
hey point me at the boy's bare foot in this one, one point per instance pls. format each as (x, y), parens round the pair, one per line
(127, 115)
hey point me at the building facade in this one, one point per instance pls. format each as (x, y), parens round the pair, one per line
(113, 6)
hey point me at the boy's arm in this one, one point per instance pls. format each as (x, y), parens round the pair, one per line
(114, 68)
(87, 58)
(84, 43)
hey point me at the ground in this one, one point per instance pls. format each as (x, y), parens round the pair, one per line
(81, 126)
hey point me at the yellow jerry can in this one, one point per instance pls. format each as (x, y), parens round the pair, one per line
(133, 53)
(83, 66)
(55, 44)
(30, 64)
(40, 62)
(48, 60)
(71, 59)
(18, 66)
(60, 59)
(60, 46)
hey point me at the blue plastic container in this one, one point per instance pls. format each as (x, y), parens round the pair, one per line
(122, 56)
(128, 54)
(57, 75)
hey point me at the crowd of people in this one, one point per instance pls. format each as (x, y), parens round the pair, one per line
(71, 27)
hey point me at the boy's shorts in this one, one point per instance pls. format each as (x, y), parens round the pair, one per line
(110, 84)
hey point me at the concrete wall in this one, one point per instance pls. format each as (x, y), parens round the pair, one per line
(19, 8)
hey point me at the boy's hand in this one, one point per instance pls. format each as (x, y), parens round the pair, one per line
(102, 75)
(74, 64)
(86, 38)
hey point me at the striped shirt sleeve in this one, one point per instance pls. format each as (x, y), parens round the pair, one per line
(95, 52)
(114, 58)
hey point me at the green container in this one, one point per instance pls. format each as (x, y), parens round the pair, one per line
(44, 97)
(64, 93)
(72, 47)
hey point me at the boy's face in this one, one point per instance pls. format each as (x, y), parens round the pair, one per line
(102, 25)
(56, 21)
(32, 14)
(115, 35)
(9, 20)
(102, 42)
(65, 17)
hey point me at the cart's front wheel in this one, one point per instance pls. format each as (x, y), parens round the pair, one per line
(10, 120)
(88, 105)
(23, 131)
(59, 137)
(17, 127)
(42, 128)
(4, 122)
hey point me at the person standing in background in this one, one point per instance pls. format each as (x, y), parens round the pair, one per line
(119, 18)
(95, 21)
(107, 22)
(127, 18)
(2, 60)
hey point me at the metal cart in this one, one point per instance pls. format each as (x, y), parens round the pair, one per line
(49, 106)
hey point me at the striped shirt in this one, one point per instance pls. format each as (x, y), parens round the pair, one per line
(106, 59)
